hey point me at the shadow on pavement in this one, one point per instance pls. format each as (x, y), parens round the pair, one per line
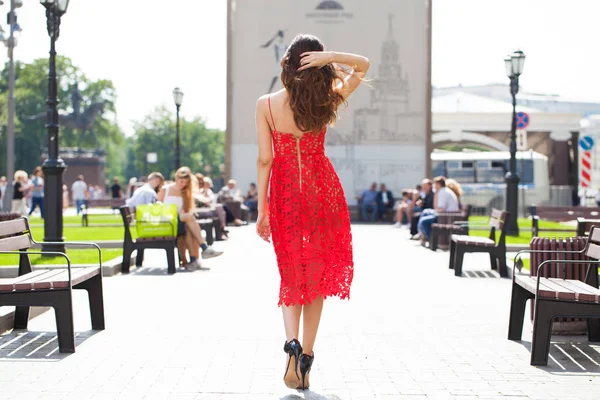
(310, 395)
(570, 357)
(30, 345)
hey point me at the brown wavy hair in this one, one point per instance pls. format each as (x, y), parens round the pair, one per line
(312, 94)
(186, 193)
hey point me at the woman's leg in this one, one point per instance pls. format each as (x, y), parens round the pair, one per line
(182, 248)
(192, 245)
(311, 318)
(291, 321)
(192, 227)
(222, 215)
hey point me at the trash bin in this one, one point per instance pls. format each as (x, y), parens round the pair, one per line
(557, 270)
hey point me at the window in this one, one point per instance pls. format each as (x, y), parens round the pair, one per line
(491, 171)
(462, 171)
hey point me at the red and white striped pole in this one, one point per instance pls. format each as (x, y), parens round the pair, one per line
(586, 169)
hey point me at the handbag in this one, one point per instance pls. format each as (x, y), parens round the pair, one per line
(156, 220)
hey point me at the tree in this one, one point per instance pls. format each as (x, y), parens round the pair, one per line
(200, 146)
(31, 89)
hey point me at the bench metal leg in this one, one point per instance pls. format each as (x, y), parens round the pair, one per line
(452, 254)
(518, 302)
(63, 311)
(494, 261)
(434, 240)
(126, 259)
(503, 267)
(542, 329)
(139, 258)
(593, 329)
(171, 259)
(458, 260)
(217, 228)
(21, 317)
(94, 289)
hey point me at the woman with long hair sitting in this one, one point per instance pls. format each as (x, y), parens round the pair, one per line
(189, 236)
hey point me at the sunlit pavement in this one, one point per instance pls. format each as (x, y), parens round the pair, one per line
(411, 330)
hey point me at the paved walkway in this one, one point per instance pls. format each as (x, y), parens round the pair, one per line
(411, 331)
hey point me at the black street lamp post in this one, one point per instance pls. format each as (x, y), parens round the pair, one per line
(54, 166)
(514, 67)
(178, 98)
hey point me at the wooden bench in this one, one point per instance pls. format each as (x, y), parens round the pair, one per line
(584, 225)
(209, 222)
(559, 214)
(48, 287)
(446, 226)
(91, 206)
(169, 244)
(461, 244)
(556, 297)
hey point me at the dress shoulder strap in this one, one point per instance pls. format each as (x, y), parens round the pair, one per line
(271, 113)
(167, 187)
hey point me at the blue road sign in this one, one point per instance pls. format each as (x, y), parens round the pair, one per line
(586, 143)
(522, 120)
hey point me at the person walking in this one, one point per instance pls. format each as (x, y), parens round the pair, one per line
(80, 193)
(307, 215)
(37, 191)
(19, 188)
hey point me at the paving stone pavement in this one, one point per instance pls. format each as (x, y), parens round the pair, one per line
(411, 331)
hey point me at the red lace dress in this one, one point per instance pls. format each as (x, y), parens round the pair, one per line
(310, 223)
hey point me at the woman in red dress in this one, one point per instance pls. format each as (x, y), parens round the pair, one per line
(306, 214)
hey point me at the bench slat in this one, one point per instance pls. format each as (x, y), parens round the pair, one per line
(48, 279)
(13, 226)
(561, 289)
(78, 275)
(583, 292)
(15, 243)
(529, 283)
(42, 281)
(7, 284)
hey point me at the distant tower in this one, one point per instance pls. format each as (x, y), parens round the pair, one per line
(381, 121)
(391, 87)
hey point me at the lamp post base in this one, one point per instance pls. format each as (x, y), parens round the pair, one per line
(512, 203)
(53, 219)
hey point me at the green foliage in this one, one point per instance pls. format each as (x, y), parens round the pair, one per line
(200, 147)
(31, 89)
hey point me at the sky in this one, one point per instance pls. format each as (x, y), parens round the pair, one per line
(147, 47)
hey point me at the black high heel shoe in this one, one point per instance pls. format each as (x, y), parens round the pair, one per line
(294, 349)
(306, 362)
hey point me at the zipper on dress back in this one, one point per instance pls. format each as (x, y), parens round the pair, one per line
(299, 160)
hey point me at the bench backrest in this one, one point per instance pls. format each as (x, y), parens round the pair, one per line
(127, 215)
(498, 223)
(593, 247)
(15, 236)
(104, 202)
(564, 213)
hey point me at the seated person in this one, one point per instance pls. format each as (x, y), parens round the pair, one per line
(213, 198)
(385, 200)
(445, 201)
(425, 201)
(189, 236)
(405, 207)
(230, 192)
(368, 203)
(148, 193)
(251, 199)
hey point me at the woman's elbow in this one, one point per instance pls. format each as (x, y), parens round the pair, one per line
(264, 162)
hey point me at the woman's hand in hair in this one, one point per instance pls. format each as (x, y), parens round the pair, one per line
(315, 59)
